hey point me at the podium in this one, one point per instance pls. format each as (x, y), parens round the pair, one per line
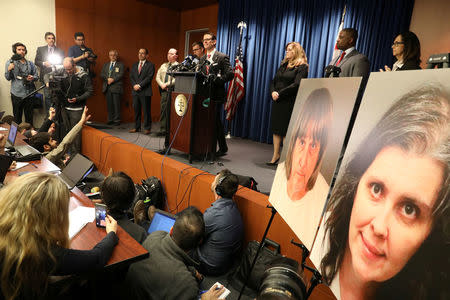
(194, 121)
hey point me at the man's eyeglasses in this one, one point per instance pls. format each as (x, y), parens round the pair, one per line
(207, 40)
(397, 43)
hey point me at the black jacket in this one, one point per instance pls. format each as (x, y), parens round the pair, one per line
(77, 86)
(222, 68)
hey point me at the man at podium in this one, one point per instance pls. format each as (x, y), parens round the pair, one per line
(217, 65)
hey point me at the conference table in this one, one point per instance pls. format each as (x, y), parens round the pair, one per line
(127, 251)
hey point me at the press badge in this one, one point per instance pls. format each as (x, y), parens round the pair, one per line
(117, 69)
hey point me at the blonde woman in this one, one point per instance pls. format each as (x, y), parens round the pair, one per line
(34, 237)
(283, 90)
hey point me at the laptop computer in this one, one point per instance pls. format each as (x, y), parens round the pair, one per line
(161, 221)
(76, 170)
(12, 134)
(23, 150)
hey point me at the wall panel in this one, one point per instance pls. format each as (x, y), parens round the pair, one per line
(122, 25)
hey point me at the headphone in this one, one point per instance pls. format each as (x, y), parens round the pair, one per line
(15, 45)
(219, 189)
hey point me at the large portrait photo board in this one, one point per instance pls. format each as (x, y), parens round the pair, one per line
(311, 149)
(385, 233)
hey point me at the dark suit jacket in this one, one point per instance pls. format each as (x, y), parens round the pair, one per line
(354, 64)
(42, 55)
(116, 74)
(409, 65)
(144, 79)
(223, 70)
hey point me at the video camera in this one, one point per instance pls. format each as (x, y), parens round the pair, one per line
(91, 53)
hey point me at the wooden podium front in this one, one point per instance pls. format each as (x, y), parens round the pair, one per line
(191, 116)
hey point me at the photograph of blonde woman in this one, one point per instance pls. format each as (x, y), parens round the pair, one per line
(386, 230)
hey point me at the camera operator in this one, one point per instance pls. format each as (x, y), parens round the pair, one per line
(22, 73)
(75, 88)
(83, 56)
(47, 58)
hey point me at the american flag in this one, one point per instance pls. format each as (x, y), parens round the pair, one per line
(337, 52)
(236, 88)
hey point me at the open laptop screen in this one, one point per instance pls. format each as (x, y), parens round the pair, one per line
(77, 168)
(12, 133)
(161, 221)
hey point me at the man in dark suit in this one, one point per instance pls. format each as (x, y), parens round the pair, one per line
(219, 65)
(141, 76)
(47, 57)
(350, 61)
(112, 74)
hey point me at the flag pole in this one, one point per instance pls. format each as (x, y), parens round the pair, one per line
(241, 27)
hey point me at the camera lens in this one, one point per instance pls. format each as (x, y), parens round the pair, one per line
(282, 281)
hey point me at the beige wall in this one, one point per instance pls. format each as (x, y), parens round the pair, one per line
(430, 21)
(23, 21)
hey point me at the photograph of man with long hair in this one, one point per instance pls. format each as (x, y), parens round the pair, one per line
(386, 233)
(299, 190)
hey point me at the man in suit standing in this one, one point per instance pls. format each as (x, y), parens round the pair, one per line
(47, 57)
(112, 74)
(218, 65)
(141, 76)
(350, 61)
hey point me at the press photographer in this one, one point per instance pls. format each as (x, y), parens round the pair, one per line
(83, 56)
(22, 73)
(48, 57)
(72, 87)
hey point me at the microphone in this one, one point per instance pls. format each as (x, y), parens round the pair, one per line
(16, 57)
(201, 65)
(332, 69)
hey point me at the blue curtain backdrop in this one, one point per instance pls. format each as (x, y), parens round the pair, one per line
(271, 24)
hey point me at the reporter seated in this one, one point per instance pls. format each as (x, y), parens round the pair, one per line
(224, 227)
(34, 241)
(24, 126)
(118, 193)
(169, 271)
(8, 119)
(55, 152)
(48, 125)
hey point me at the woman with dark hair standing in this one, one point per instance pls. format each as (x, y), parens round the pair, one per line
(283, 90)
(406, 48)
(34, 238)
(387, 230)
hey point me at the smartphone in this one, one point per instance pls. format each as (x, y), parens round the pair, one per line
(100, 215)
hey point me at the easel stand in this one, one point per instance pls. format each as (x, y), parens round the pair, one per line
(316, 277)
(261, 244)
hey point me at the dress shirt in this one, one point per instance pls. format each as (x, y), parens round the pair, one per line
(211, 54)
(161, 74)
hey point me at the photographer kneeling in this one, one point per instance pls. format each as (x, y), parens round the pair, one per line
(74, 87)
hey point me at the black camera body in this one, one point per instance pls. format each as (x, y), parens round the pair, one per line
(91, 53)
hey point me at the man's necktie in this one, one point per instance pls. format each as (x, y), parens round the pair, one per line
(340, 58)
(111, 67)
(140, 67)
(207, 66)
